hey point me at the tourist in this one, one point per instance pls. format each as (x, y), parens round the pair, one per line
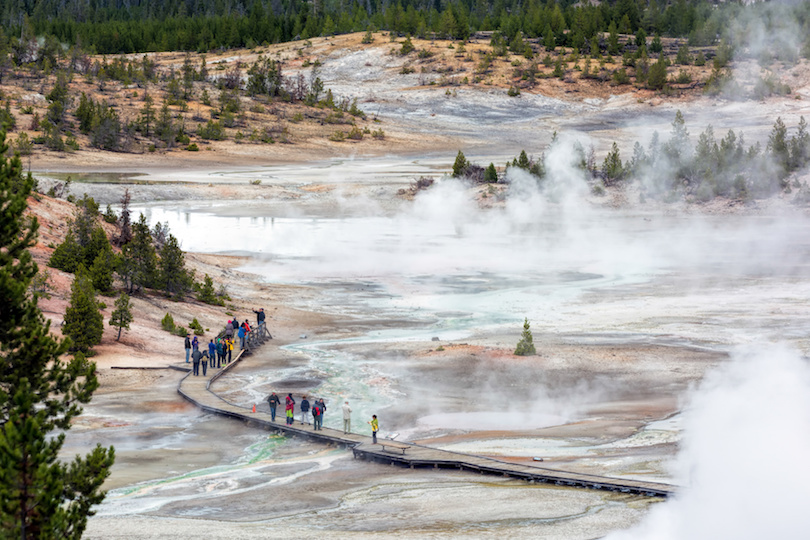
(195, 343)
(374, 428)
(212, 351)
(304, 410)
(323, 406)
(317, 416)
(259, 317)
(274, 402)
(195, 356)
(229, 348)
(188, 346)
(290, 419)
(347, 418)
(290, 408)
(204, 362)
(220, 352)
(247, 325)
(242, 335)
(229, 330)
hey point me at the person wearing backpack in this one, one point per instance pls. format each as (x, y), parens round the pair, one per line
(317, 416)
(220, 352)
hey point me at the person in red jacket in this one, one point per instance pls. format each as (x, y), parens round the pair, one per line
(290, 407)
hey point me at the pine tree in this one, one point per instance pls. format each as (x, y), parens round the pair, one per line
(137, 265)
(460, 165)
(84, 324)
(657, 76)
(40, 392)
(147, 117)
(101, 272)
(174, 278)
(207, 294)
(126, 224)
(68, 255)
(778, 145)
(525, 346)
(122, 314)
(491, 174)
(612, 167)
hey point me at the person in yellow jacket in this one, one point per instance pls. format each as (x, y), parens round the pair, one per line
(229, 348)
(375, 427)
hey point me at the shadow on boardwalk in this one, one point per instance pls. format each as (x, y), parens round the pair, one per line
(197, 390)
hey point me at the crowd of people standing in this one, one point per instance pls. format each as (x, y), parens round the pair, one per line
(220, 349)
(220, 352)
(316, 409)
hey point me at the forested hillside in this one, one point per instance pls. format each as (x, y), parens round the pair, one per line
(125, 26)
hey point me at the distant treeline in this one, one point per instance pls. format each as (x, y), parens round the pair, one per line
(128, 26)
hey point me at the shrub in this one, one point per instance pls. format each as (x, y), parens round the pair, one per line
(214, 131)
(407, 47)
(196, 327)
(620, 76)
(683, 77)
(337, 136)
(167, 323)
(356, 134)
(193, 147)
(513, 91)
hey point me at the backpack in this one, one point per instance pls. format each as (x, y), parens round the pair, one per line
(316, 411)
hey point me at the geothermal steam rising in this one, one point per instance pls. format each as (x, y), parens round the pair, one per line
(746, 442)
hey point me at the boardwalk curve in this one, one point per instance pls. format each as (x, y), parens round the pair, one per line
(198, 391)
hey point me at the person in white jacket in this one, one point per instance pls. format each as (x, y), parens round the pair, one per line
(347, 418)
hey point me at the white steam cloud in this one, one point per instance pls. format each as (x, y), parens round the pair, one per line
(743, 462)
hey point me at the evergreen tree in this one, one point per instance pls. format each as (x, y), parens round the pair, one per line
(137, 265)
(525, 346)
(612, 167)
(84, 323)
(657, 76)
(207, 294)
(800, 146)
(613, 39)
(491, 174)
(40, 392)
(121, 315)
(68, 255)
(125, 235)
(678, 145)
(778, 145)
(102, 270)
(147, 117)
(460, 165)
(174, 278)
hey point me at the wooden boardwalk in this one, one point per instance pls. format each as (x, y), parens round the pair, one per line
(197, 390)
